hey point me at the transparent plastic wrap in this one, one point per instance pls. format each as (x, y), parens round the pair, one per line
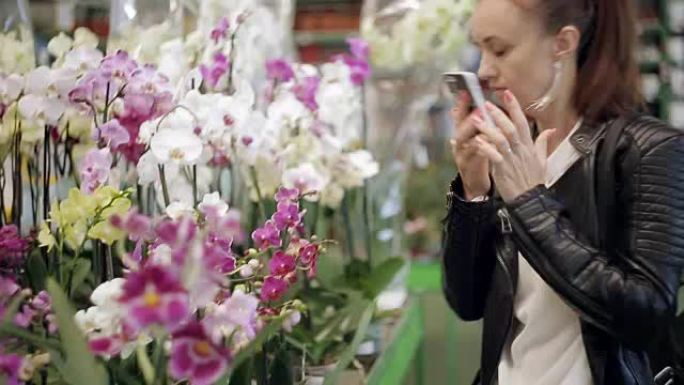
(145, 28)
(265, 33)
(405, 34)
(412, 42)
(17, 51)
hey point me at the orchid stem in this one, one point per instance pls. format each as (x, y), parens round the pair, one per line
(348, 226)
(194, 186)
(260, 201)
(165, 189)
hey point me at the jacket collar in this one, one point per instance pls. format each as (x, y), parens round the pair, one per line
(585, 138)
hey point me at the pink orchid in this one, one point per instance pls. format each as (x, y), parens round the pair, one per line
(273, 289)
(113, 133)
(213, 73)
(279, 70)
(267, 236)
(219, 32)
(154, 295)
(95, 169)
(281, 264)
(195, 358)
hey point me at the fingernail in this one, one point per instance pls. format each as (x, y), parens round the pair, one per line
(478, 121)
(490, 106)
(508, 96)
(477, 113)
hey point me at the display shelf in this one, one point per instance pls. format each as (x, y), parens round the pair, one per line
(403, 351)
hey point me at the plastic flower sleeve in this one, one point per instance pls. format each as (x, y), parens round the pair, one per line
(17, 53)
(150, 30)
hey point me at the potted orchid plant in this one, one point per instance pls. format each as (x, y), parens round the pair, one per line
(155, 231)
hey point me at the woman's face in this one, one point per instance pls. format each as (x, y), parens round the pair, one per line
(517, 52)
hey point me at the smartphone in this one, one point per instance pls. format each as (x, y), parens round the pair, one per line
(469, 82)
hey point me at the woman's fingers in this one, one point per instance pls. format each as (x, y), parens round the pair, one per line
(487, 149)
(517, 116)
(493, 134)
(460, 111)
(504, 123)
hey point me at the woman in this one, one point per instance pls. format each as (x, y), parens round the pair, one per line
(525, 247)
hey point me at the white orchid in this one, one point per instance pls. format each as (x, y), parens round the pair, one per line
(17, 51)
(213, 202)
(355, 167)
(10, 87)
(340, 103)
(177, 210)
(180, 147)
(46, 95)
(306, 178)
(104, 320)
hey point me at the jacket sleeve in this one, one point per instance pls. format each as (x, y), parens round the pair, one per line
(469, 254)
(631, 291)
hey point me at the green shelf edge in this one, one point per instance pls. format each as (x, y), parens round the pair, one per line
(393, 365)
(425, 276)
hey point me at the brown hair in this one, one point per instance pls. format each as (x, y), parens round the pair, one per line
(608, 83)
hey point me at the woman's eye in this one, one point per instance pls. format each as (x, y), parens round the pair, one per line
(500, 52)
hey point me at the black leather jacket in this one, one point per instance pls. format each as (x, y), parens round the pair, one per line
(623, 296)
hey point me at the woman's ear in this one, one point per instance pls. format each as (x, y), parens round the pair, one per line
(567, 41)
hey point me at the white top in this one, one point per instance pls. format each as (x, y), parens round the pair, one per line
(545, 346)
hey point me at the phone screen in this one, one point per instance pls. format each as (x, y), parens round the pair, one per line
(457, 83)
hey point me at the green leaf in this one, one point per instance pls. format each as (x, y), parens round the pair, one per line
(80, 366)
(349, 354)
(241, 375)
(381, 276)
(37, 271)
(8, 329)
(80, 272)
(255, 345)
(281, 368)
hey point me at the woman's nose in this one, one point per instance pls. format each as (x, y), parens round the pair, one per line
(486, 70)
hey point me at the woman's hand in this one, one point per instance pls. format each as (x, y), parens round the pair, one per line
(473, 166)
(518, 163)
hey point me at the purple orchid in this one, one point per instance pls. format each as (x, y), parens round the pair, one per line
(195, 358)
(279, 70)
(305, 91)
(359, 47)
(137, 226)
(10, 368)
(287, 194)
(282, 264)
(95, 169)
(154, 295)
(213, 73)
(273, 289)
(113, 133)
(358, 61)
(218, 255)
(267, 236)
(236, 317)
(220, 31)
(287, 215)
(25, 316)
(308, 254)
(12, 248)
(118, 65)
(146, 80)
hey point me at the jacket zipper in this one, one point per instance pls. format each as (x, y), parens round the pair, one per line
(506, 229)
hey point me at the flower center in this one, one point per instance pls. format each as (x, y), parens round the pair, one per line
(177, 154)
(202, 348)
(152, 299)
